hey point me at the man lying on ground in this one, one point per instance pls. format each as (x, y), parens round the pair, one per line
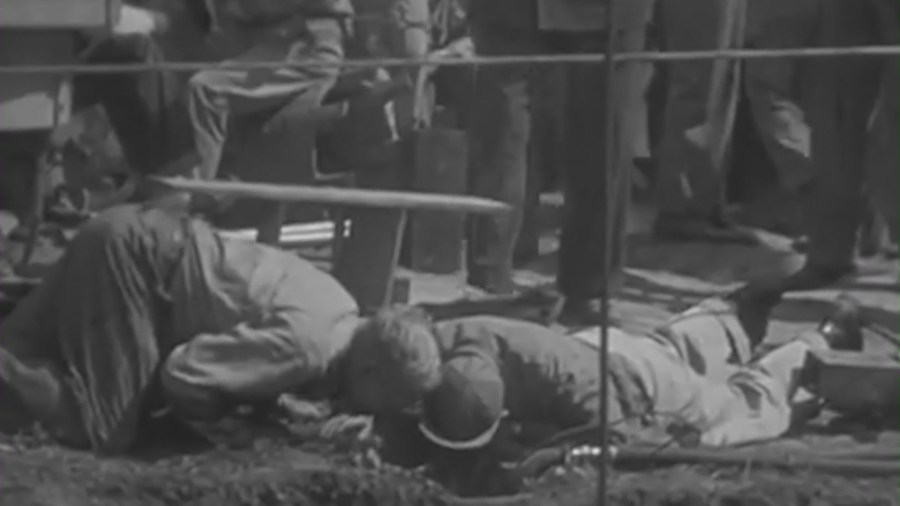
(696, 376)
(149, 309)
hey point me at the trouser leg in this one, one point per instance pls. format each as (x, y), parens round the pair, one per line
(765, 391)
(843, 92)
(883, 152)
(217, 95)
(781, 125)
(710, 338)
(145, 109)
(499, 133)
(111, 341)
(687, 183)
(597, 197)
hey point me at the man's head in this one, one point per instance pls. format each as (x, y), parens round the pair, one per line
(392, 362)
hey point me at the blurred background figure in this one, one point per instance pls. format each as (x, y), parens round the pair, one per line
(701, 102)
(853, 111)
(500, 133)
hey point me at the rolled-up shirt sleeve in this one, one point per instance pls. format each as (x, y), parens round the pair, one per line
(204, 377)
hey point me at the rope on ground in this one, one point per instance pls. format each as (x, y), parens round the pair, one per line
(646, 56)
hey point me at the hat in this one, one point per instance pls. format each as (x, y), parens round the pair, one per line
(466, 409)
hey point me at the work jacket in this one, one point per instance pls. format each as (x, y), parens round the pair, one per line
(549, 379)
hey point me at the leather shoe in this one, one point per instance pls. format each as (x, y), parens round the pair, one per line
(753, 312)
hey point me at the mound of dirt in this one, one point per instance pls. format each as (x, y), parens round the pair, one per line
(284, 475)
(270, 476)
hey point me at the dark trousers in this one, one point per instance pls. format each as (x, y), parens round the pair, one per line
(499, 139)
(146, 109)
(853, 111)
(109, 302)
(220, 95)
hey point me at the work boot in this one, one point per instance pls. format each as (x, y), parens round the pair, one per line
(753, 313)
(843, 327)
(810, 277)
(683, 228)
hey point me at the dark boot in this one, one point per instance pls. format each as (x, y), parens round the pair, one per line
(685, 228)
(810, 277)
(843, 327)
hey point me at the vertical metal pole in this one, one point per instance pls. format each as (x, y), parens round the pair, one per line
(611, 151)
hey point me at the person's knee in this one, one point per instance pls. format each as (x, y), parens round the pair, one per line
(187, 400)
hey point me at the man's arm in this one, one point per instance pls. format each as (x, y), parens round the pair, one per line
(204, 377)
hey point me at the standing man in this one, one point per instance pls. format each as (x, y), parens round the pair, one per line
(500, 130)
(701, 104)
(854, 113)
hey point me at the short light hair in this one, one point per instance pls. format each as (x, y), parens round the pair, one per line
(400, 341)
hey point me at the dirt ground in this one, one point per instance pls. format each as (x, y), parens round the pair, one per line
(662, 279)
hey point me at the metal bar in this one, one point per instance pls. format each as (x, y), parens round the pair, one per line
(610, 199)
(737, 54)
(350, 197)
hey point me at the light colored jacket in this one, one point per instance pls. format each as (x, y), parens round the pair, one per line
(254, 322)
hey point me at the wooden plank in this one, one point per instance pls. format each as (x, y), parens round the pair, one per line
(368, 262)
(62, 14)
(350, 197)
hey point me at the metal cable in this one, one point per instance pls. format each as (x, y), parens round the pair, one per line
(650, 56)
(610, 172)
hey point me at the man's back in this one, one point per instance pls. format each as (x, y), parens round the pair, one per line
(548, 377)
(224, 283)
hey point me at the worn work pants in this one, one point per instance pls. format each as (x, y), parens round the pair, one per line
(499, 136)
(146, 109)
(220, 95)
(689, 183)
(695, 369)
(854, 112)
(94, 329)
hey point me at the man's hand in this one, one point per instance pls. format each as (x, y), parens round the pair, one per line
(361, 426)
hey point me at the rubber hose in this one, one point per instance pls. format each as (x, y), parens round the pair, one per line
(726, 457)
(731, 455)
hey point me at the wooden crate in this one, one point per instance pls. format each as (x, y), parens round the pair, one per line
(58, 14)
(854, 382)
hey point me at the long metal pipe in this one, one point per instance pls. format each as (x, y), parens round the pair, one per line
(612, 178)
(648, 56)
(350, 197)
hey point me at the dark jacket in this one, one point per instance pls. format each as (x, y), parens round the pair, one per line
(561, 15)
